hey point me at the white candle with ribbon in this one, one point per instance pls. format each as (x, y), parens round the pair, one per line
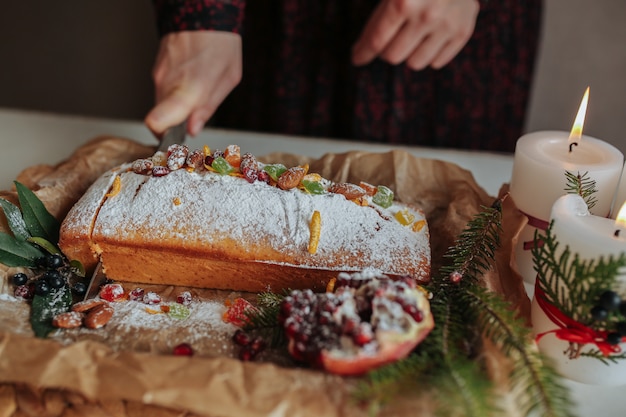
(591, 237)
(538, 178)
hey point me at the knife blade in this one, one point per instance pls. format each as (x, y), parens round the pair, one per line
(174, 134)
(98, 279)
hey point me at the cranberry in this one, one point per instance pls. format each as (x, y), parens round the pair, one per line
(183, 349)
(247, 354)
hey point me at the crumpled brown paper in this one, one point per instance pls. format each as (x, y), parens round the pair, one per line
(122, 378)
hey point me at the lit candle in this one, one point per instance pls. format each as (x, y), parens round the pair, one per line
(591, 237)
(538, 179)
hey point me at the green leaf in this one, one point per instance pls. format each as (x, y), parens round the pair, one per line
(43, 243)
(77, 268)
(39, 221)
(14, 252)
(14, 219)
(44, 308)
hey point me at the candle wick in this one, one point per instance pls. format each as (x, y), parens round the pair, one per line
(616, 234)
(572, 144)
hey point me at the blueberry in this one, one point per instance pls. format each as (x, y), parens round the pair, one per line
(41, 262)
(610, 300)
(41, 287)
(20, 279)
(613, 338)
(56, 281)
(599, 313)
(54, 261)
(621, 328)
(52, 275)
(80, 288)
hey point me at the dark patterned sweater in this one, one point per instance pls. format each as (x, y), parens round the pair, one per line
(298, 78)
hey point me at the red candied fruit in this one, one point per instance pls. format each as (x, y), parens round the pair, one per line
(184, 298)
(151, 298)
(112, 292)
(184, 349)
(236, 312)
(136, 294)
(23, 291)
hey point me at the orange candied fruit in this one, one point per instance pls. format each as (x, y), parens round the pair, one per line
(115, 188)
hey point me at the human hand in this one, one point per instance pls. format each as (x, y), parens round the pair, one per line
(193, 73)
(419, 32)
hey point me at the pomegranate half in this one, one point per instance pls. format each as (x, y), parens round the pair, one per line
(369, 320)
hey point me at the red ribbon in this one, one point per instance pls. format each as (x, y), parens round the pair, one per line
(570, 330)
(538, 224)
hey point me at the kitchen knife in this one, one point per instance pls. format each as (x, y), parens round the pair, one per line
(175, 134)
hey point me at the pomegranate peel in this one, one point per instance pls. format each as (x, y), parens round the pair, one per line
(368, 321)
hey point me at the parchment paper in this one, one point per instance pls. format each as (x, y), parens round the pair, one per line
(125, 371)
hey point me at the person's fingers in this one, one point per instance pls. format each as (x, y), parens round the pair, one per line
(423, 55)
(170, 111)
(382, 26)
(404, 43)
(454, 46)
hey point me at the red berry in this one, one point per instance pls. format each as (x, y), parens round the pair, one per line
(247, 354)
(112, 292)
(136, 294)
(184, 298)
(151, 298)
(184, 349)
(241, 338)
(23, 291)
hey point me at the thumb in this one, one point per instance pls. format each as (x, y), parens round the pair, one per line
(169, 112)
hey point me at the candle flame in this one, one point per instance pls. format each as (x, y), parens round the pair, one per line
(620, 221)
(577, 129)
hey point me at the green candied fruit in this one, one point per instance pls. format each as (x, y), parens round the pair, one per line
(178, 311)
(222, 166)
(383, 197)
(275, 170)
(313, 187)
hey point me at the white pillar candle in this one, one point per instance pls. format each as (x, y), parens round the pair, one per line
(591, 237)
(620, 196)
(538, 179)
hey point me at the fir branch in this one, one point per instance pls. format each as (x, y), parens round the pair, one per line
(573, 285)
(263, 320)
(582, 185)
(543, 390)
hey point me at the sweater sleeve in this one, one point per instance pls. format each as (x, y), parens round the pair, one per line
(180, 15)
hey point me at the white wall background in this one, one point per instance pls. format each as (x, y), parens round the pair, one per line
(94, 58)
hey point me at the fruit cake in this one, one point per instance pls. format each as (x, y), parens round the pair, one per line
(224, 220)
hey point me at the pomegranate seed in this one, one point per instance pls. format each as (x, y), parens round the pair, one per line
(184, 349)
(241, 338)
(23, 291)
(247, 354)
(258, 345)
